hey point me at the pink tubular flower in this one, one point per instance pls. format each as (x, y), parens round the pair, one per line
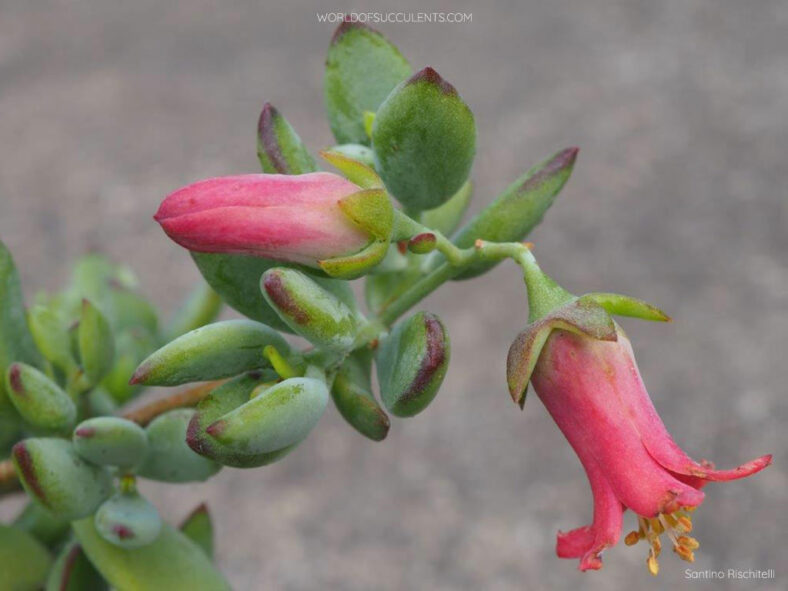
(292, 218)
(594, 392)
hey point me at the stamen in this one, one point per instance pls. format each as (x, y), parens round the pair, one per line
(675, 525)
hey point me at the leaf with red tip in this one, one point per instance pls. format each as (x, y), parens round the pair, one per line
(279, 147)
(424, 138)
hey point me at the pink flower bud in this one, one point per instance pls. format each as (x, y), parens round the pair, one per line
(293, 218)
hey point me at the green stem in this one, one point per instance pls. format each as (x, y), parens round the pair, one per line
(543, 293)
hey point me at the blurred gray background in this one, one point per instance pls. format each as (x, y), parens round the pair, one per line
(679, 196)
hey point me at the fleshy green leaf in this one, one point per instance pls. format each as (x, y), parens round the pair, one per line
(173, 561)
(352, 394)
(39, 400)
(45, 526)
(96, 343)
(236, 278)
(128, 520)
(16, 343)
(169, 457)
(215, 351)
(424, 139)
(309, 310)
(362, 67)
(54, 475)
(279, 418)
(519, 209)
(73, 571)
(218, 403)
(200, 308)
(199, 529)
(24, 561)
(111, 441)
(279, 148)
(412, 362)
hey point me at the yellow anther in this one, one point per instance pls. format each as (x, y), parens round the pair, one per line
(632, 538)
(689, 542)
(684, 553)
(653, 565)
(657, 546)
(656, 525)
(685, 523)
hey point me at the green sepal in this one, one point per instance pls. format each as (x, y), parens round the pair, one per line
(173, 561)
(362, 67)
(580, 316)
(212, 352)
(411, 363)
(73, 571)
(279, 418)
(128, 520)
(201, 307)
(424, 138)
(354, 170)
(356, 152)
(39, 400)
(445, 218)
(24, 561)
(218, 403)
(279, 147)
(622, 305)
(353, 397)
(16, 342)
(309, 310)
(169, 458)
(199, 529)
(53, 474)
(96, 343)
(111, 441)
(355, 265)
(519, 209)
(370, 210)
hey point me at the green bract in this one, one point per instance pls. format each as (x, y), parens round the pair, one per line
(424, 138)
(212, 352)
(111, 441)
(54, 475)
(362, 67)
(169, 458)
(412, 362)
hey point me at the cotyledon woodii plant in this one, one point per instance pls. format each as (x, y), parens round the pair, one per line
(281, 247)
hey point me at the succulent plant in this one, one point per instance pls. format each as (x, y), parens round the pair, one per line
(280, 247)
